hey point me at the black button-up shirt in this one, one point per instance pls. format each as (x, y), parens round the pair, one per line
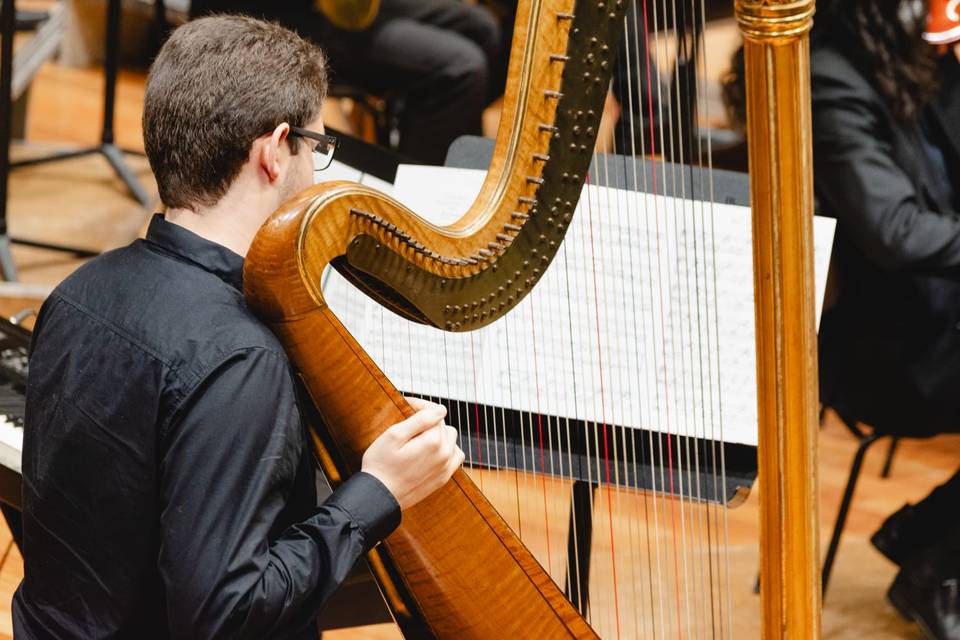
(168, 482)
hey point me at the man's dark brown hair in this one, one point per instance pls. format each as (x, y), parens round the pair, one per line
(217, 85)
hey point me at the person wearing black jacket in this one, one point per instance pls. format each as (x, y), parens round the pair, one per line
(886, 138)
(444, 59)
(168, 480)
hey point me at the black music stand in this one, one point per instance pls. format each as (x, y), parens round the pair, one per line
(107, 147)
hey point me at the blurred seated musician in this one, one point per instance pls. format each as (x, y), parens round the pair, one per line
(886, 137)
(438, 56)
(169, 483)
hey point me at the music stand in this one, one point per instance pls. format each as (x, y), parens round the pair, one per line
(107, 147)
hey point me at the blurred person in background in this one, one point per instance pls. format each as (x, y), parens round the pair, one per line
(443, 58)
(886, 147)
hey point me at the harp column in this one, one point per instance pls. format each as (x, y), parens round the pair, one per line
(777, 79)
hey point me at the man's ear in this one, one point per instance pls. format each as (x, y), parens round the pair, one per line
(270, 156)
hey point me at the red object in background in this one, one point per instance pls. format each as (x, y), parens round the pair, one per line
(943, 25)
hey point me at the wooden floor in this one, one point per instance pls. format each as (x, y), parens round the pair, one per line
(81, 202)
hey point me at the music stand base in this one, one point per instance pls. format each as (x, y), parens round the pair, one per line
(114, 156)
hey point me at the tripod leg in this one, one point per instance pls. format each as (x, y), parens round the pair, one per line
(110, 67)
(7, 268)
(115, 156)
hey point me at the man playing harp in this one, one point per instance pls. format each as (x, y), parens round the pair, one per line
(169, 489)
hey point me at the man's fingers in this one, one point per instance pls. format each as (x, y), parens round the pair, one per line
(418, 403)
(454, 462)
(419, 422)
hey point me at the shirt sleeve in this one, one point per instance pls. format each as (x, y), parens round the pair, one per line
(860, 183)
(229, 464)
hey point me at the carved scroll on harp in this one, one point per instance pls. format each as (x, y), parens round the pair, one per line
(481, 582)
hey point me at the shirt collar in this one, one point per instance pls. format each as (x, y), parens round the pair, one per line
(209, 256)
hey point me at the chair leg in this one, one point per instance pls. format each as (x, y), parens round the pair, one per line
(885, 473)
(865, 443)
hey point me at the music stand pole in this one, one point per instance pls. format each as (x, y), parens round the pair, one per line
(7, 21)
(107, 148)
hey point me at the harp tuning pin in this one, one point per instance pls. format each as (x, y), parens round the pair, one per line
(526, 264)
(512, 227)
(536, 271)
(502, 237)
(447, 309)
(443, 283)
(509, 282)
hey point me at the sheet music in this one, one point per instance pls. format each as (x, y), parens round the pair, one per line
(340, 171)
(644, 319)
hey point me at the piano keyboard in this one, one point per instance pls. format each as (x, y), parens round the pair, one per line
(14, 343)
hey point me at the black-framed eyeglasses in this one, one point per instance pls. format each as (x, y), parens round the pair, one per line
(323, 150)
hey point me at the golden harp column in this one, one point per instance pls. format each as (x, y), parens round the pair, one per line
(777, 57)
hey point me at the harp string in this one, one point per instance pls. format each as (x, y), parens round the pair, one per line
(652, 504)
(673, 367)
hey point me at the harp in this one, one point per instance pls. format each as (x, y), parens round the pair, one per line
(455, 568)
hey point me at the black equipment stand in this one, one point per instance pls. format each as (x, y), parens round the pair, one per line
(107, 147)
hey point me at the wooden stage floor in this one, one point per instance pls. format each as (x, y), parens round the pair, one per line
(81, 202)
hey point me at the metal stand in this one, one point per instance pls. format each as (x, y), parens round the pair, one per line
(107, 148)
(578, 545)
(7, 28)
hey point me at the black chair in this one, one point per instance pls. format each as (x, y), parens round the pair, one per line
(865, 440)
